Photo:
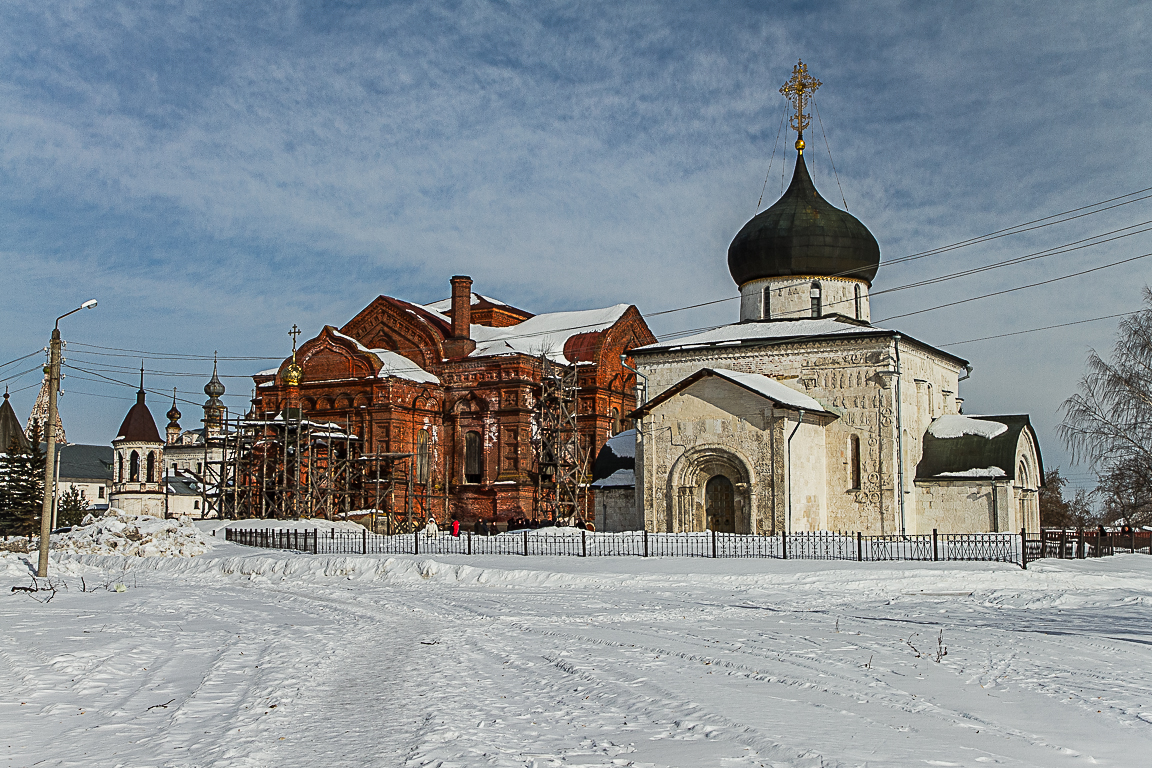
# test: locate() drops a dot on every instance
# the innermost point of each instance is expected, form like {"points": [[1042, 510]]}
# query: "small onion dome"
{"points": [[173, 415], [214, 388], [293, 375], [803, 234]]}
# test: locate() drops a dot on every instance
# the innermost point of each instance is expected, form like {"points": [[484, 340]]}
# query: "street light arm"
{"points": [[86, 305]]}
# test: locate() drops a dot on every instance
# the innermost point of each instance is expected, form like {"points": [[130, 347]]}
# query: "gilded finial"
{"points": [[799, 90], [293, 374]]}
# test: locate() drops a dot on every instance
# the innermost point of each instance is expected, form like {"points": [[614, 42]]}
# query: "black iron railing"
{"points": [[1019, 548]]}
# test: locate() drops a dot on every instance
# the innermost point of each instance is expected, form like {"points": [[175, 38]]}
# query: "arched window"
{"points": [[766, 304], [859, 308], [422, 456], [615, 414], [472, 457], [119, 467], [151, 466], [854, 461], [815, 293], [134, 467]]}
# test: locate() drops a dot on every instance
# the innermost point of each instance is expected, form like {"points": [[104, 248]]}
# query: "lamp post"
{"points": [[50, 453]]}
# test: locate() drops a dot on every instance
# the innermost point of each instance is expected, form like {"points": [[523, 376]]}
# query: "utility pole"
{"points": [[50, 455]]}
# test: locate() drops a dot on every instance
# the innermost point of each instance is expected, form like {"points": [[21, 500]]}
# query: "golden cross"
{"points": [[799, 90], [294, 333]]}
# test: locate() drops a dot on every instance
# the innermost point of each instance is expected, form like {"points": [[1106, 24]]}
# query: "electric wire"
{"points": [[1017, 288], [773, 157], [25, 357], [829, 148], [1035, 330]]}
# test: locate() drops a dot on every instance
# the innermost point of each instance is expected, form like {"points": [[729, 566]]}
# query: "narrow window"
{"points": [[472, 457], [859, 309], [615, 414], [196, 504], [199, 467], [152, 466], [134, 467], [815, 299], [119, 467], [766, 306], [854, 460], [99, 491], [422, 456]]}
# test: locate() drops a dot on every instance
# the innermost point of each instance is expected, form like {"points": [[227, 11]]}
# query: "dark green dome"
{"points": [[803, 234]]}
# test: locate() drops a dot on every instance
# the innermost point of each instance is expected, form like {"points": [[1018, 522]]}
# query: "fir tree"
{"points": [[23, 487], [71, 508]]}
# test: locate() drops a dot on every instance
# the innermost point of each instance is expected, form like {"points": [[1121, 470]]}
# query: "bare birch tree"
{"points": [[1108, 423]]}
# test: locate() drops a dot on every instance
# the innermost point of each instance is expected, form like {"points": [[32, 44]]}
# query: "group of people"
{"points": [[483, 528]]}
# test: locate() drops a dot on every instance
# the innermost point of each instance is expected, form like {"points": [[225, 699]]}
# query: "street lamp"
{"points": [[50, 454]]}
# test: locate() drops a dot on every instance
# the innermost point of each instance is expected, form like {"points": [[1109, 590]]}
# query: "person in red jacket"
{"points": [[456, 527]]}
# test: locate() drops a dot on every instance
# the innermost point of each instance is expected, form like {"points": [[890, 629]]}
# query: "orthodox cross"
{"points": [[799, 90], [294, 333]]}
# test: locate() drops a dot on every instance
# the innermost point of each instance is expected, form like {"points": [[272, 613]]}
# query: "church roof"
{"points": [[779, 332], [756, 383], [85, 462], [617, 453], [802, 234], [10, 429], [974, 447], [138, 426]]}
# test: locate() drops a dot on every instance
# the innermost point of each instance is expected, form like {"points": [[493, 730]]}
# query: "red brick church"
{"points": [[456, 385]]}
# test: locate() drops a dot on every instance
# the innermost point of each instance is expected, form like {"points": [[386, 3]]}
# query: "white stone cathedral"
{"points": [[803, 416]]}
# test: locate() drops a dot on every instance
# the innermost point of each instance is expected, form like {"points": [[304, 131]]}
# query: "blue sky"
{"points": [[215, 172]]}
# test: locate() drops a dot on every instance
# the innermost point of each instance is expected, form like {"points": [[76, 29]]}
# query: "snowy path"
{"points": [[249, 658]]}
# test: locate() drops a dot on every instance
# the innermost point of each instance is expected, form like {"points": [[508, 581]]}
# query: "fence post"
{"points": [[1024, 548], [646, 543], [784, 545], [1131, 541], [713, 542], [583, 544], [415, 541], [935, 547], [859, 547], [525, 543], [469, 542], [364, 541]]}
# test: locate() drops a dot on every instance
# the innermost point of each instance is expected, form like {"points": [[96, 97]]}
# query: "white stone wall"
{"points": [[855, 378], [139, 503], [790, 298], [616, 510]]}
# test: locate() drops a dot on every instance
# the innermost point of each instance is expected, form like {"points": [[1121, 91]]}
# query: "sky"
{"points": [[215, 172]]}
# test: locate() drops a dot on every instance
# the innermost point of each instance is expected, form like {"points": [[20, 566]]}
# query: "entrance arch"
{"points": [[720, 505], [711, 486]]}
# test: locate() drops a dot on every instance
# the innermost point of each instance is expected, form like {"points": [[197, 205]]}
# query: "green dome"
{"points": [[803, 234]]}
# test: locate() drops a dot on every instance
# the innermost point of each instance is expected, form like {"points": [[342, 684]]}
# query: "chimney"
{"points": [[461, 343]]}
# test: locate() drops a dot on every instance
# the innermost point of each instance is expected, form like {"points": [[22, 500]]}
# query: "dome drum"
{"points": [[802, 297]]}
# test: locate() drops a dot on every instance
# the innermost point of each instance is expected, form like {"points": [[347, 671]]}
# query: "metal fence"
{"points": [[1079, 544], [986, 547]]}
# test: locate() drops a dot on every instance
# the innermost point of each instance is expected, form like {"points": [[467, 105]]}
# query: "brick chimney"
{"points": [[461, 343]]}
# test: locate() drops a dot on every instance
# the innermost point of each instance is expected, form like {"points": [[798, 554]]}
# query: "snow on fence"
{"points": [[987, 547]]}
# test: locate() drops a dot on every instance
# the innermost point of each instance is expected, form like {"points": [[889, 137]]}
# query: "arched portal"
{"points": [[720, 505]]}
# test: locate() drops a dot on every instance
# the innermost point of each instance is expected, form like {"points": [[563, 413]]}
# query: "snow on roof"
{"points": [[979, 472], [772, 389], [446, 304], [623, 444], [269, 372], [394, 364], [737, 332], [621, 478], [543, 334], [958, 426]]}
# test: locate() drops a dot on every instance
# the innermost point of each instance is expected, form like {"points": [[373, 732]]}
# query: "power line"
{"points": [[1018, 288], [1035, 330], [18, 359], [168, 355]]}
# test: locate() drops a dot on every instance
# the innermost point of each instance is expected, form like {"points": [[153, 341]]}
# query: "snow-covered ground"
{"points": [[243, 657]]}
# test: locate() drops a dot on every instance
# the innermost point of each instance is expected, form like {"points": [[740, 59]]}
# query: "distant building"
{"points": [[88, 469], [137, 486]]}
